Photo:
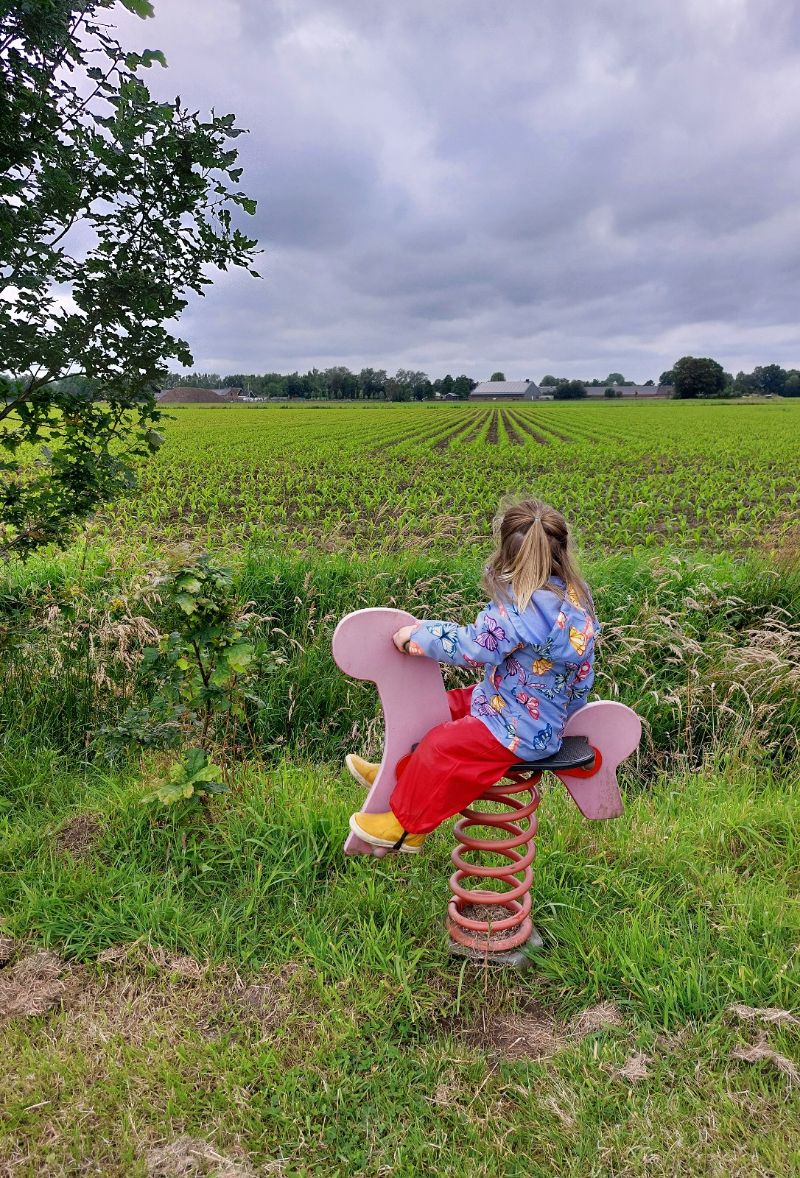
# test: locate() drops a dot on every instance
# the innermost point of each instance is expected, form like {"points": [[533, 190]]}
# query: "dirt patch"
{"points": [[36, 984], [215, 1001], [533, 1033], [781, 541], [271, 999], [635, 1068], [452, 435], [139, 955], [128, 1001], [79, 835], [525, 1034], [139, 1011], [761, 1052], [531, 432], [764, 1014], [595, 1018], [548, 425], [187, 1156], [415, 435], [491, 436], [523, 422], [444, 442], [492, 913], [127, 987], [179, 966], [471, 434], [147, 1011]]}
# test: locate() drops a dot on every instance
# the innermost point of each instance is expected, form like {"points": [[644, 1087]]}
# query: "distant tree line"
{"points": [[332, 384], [695, 376], [613, 378], [691, 377]]}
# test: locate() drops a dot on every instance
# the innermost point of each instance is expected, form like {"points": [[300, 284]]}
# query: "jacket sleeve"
{"points": [[579, 692], [488, 641]]}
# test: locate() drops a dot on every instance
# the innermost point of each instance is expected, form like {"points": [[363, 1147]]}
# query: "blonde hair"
{"points": [[533, 546]]}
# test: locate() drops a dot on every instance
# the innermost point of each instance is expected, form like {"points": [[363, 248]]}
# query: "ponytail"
{"points": [[532, 567], [533, 547]]}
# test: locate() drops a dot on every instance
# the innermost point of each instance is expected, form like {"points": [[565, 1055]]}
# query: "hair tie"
{"points": [[537, 519]]}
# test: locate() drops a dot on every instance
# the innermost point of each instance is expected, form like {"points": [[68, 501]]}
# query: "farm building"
{"points": [[506, 390], [632, 390], [192, 396]]}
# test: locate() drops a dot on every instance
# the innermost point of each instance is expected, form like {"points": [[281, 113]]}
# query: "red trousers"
{"points": [[450, 767]]}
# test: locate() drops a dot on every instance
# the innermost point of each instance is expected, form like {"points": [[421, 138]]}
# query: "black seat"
{"points": [[575, 753]]}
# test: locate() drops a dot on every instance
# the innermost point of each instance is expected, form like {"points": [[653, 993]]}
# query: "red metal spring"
{"points": [[519, 848]]}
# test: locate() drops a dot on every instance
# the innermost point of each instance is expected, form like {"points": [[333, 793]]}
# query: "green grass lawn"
{"points": [[239, 998]]}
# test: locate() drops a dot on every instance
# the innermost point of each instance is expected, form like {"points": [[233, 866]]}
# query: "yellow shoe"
{"points": [[363, 771], [383, 830]]}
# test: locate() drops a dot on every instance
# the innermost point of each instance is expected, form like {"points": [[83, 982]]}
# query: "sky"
{"points": [[538, 186]]}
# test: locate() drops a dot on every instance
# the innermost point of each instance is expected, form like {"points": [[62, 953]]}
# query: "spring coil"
{"points": [[518, 847]]}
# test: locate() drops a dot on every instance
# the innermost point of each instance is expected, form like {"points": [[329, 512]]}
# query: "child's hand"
{"points": [[402, 638]]}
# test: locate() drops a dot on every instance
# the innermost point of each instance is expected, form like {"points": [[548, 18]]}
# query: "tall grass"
{"points": [[705, 651]]}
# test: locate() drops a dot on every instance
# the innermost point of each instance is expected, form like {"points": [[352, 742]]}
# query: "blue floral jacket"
{"points": [[538, 664]]}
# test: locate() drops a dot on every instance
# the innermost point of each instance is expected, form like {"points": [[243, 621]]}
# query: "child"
{"points": [[535, 643]]}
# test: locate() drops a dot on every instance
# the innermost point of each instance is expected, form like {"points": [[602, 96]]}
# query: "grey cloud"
{"points": [[313, 196], [464, 186]]}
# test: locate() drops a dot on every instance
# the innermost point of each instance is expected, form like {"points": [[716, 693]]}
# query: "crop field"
{"points": [[715, 477]]}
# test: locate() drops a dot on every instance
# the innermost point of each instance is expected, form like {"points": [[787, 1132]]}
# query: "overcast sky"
{"points": [[565, 186]]}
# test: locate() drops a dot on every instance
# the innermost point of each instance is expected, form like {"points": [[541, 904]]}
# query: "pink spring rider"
{"points": [[492, 926]]}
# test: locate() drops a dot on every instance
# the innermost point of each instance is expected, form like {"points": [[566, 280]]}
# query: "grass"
{"points": [[703, 648], [372, 1052], [693, 887]]}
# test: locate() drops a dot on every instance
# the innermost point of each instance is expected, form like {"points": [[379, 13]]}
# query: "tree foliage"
{"points": [[613, 379], [113, 207], [768, 379], [771, 378], [497, 376], [205, 673], [792, 386], [695, 376], [332, 384], [570, 390]]}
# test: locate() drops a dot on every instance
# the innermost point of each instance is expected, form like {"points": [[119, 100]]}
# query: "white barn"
{"points": [[506, 390]]}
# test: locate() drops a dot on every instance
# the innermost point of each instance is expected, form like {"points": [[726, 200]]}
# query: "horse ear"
{"points": [[362, 642], [614, 730]]}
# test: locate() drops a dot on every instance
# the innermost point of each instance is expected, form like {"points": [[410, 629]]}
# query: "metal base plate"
{"points": [[519, 959]]}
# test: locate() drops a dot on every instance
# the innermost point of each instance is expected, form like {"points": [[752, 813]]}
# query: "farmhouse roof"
{"points": [[502, 386], [186, 394]]}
